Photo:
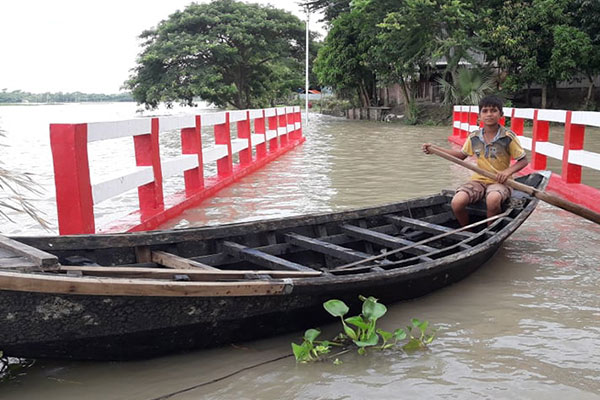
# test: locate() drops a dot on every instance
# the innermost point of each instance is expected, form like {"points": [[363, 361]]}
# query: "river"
{"points": [[526, 325]]}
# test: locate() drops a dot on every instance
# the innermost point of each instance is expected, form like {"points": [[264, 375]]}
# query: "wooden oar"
{"points": [[424, 241], [540, 194]]}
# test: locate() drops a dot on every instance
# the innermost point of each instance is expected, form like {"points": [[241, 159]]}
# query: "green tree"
{"points": [[331, 8], [226, 52], [342, 61], [586, 17], [417, 34], [520, 36]]}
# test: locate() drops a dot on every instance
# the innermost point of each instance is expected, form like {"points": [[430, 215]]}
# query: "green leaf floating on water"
{"points": [[337, 308], [357, 321], [373, 310], [370, 341], [311, 334]]}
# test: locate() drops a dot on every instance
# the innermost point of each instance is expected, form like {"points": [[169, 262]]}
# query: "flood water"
{"points": [[526, 325]]}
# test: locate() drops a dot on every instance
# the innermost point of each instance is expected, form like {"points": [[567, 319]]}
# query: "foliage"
{"points": [[529, 38], [18, 96], [373, 43], [311, 349], [418, 33], [11, 197], [361, 331], [331, 8], [227, 52], [341, 62], [470, 86]]}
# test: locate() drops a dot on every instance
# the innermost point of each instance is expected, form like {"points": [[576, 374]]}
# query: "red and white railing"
{"points": [[262, 135], [571, 152]]}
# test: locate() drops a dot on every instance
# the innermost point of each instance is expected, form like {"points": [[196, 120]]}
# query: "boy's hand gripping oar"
{"points": [[540, 194]]}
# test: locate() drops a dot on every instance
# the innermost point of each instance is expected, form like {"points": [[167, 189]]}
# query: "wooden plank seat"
{"points": [[383, 239], [327, 248], [173, 261], [278, 249], [261, 258], [428, 227]]}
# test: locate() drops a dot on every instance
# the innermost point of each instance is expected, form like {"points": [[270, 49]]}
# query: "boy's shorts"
{"points": [[477, 190]]}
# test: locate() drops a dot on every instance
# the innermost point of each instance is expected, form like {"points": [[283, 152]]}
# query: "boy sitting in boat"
{"points": [[494, 146]]}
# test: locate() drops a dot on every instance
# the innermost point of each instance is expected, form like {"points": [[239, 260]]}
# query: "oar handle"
{"points": [[540, 194], [509, 182]]}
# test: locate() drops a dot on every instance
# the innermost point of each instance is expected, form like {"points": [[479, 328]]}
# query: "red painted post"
{"points": [[147, 153], [223, 136], [273, 143], [298, 120], [74, 202], [284, 123], [502, 121], [463, 119], [243, 132], [473, 117], [540, 134], [455, 119], [294, 134], [260, 128], [191, 143], [574, 135], [516, 124]]}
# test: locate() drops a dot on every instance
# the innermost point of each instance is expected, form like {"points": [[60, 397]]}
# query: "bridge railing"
{"points": [[262, 135], [571, 152]]}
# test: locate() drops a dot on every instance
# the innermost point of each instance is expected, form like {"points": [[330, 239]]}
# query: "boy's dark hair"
{"points": [[491, 101]]}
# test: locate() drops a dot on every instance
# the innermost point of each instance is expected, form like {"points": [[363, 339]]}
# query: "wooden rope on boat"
{"points": [[436, 237]]}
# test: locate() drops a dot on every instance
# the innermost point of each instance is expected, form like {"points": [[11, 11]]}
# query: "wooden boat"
{"points": [[140, 295]]}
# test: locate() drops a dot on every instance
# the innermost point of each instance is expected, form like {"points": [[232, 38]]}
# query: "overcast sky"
{"points": [[81, 45]]}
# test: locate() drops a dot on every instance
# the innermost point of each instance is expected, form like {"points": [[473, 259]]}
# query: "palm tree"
{"points": [[471, 85]]}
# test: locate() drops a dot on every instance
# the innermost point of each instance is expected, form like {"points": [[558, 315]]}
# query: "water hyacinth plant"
{"points": [[361, 331]]}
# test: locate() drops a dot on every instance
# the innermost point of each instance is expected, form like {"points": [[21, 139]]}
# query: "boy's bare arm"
{"points": [[455, 153], [502, 176]]}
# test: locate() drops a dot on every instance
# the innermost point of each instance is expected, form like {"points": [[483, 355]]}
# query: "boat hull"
{"points": [[142, 295], [134, 327]]}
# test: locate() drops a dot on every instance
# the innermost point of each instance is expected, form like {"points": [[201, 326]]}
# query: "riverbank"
{"points": [[428, 113]]}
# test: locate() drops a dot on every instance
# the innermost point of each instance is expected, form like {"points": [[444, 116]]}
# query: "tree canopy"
{"points": [[524, 42], [225, 52]]}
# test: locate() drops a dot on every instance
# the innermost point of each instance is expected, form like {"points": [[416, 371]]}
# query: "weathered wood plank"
{"points": [[427, 227], [383, 239], [143, 254], [326, 248], [172, 261], [61, 284], [440, 218], [194, 275], [45, 261], [20, 263], [260, 258]]}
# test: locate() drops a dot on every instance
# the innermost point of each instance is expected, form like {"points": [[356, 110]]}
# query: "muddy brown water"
{"points": [[525, 325]]}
